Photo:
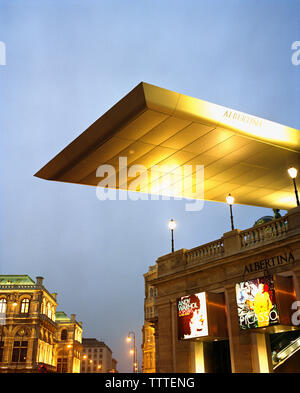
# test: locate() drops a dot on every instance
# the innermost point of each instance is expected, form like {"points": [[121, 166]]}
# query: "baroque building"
{"points": [[29, 329], [231, 305]]}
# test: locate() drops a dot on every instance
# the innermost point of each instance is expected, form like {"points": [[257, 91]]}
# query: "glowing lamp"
{"points": [[292, 172]]}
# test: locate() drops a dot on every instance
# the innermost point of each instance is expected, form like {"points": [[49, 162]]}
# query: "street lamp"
{"points": [[133, 351], [172, 226], [230, 202], [293, 174]]}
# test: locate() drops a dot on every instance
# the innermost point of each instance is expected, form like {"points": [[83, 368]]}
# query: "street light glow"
{"points": [[230, 199], [172, 224], [292, 172]]}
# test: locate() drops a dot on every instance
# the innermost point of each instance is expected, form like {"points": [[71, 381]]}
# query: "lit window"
{"points": [[49, 310], [2, 306], [24, 306]]}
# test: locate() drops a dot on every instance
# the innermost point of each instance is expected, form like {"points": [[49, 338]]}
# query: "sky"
{"points": [[67, 63]]}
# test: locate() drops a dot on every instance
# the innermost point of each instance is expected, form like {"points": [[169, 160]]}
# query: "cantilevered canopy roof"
{"points": [[166, 132]]}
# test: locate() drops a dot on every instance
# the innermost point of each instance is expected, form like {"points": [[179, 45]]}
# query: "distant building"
{"points": [[229, 305], [96, 357], [30, 327], [148, 346]]}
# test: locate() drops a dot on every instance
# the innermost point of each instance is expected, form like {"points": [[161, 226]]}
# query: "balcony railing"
{"points": [[233, 242], [210, 250], [263, 233]]}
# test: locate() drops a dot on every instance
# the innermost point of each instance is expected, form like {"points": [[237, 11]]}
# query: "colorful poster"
{"points": [[256, 303], [192, 316]]}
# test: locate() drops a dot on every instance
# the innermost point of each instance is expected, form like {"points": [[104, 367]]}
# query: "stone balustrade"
{"points": [[233, 242], [263, 233], [210, 250]]}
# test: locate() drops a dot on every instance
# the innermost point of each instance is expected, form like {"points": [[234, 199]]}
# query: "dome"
{"points": [[263, 220]]}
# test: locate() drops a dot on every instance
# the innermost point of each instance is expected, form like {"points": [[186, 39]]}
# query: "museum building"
{"points": [[230, 305]]}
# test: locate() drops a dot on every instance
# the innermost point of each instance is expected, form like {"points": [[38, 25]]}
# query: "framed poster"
{"points": [[192, 316], [256, 303]]}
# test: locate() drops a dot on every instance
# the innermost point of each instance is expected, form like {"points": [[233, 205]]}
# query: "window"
{"points": [[19, 351], [43, 307], [24, 306], [64, 334], [62, 365], [2, 306]]}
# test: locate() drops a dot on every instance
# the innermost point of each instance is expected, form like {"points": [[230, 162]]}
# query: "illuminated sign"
{"points": [[256, 303], [192, 316]]}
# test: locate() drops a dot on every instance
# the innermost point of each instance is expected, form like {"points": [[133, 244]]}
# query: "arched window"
{"points": [[49, 310], [3, 306], [25, 306], [64, 334]]}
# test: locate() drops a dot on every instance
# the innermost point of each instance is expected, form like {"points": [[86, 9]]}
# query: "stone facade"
{"points": [[29, 340], [97, 357], [148, 330], [271, 248]]}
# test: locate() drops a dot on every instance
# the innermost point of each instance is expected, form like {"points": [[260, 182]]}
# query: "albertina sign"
{"points": [[268, 263]]}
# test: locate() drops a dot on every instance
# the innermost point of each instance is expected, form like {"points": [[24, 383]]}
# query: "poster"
{"points": [[192, 316], [256, 303]]}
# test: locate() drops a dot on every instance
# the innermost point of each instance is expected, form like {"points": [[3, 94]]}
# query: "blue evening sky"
{"points": [[69, 61]]}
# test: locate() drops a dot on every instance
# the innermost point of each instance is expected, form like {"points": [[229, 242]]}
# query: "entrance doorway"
{"points": [[221, 362]]}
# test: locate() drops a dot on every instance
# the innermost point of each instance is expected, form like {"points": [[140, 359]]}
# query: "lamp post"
{"points": [[172, 226], [293, 174], [230, 201], [133, 351]]}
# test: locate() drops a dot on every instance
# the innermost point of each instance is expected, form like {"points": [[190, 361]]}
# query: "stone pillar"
{"points": [[231, 242], [173, 332], [296, 281], [293, 218], [164, 339], [198, 357], [261, 353]]}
